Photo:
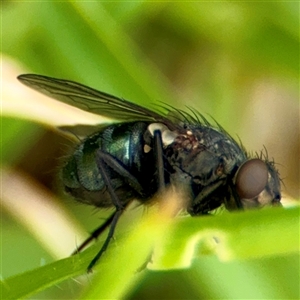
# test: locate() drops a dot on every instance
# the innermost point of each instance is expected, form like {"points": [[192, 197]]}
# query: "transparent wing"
{"points": [[91, 100], [82, 130]]}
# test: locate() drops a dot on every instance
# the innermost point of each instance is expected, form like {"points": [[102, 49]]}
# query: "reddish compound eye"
{"points": [[251, 178]]}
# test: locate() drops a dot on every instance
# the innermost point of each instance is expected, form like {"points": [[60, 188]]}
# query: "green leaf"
{"points": [[234, 237]]}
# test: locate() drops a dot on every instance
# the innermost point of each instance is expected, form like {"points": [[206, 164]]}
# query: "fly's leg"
{"points": [[158, 153], [158, 156], [236, 197], [107, 241], [95, 234], [104, 163]]}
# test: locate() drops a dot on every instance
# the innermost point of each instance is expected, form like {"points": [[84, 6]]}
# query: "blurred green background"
{"points": [[238, 62]]}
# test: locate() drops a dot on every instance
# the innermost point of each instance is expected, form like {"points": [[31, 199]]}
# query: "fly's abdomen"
{"points": [[124, 143]]}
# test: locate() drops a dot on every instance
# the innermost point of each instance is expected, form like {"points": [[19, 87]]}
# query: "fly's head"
{"points": [[257, 183]]}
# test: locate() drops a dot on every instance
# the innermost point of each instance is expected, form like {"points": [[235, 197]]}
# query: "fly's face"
{"points": [[254, 184], [257, 184]]}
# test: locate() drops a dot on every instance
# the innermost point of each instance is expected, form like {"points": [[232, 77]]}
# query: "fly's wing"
{"points": [[91, 100], [81, 130]]}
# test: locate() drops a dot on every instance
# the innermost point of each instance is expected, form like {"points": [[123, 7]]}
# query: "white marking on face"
{"points": [[264, 198]]}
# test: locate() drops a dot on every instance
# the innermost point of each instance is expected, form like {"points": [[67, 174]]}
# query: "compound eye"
{"points": [[251, 178]]}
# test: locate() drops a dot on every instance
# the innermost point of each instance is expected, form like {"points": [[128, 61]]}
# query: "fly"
{"points": [[148, 151]]}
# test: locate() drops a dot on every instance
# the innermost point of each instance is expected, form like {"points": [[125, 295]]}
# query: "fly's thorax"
{"points": [[203, 161], [205, 154]]}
